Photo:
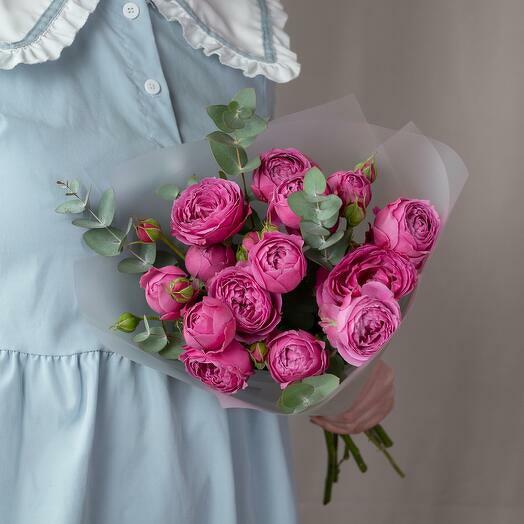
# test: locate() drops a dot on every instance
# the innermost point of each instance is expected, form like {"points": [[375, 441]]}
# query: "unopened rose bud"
{"points": [[181, 290], [354, 214], [148, 230], [127, 322], [258, 352], [241, 254], [368, 168], [268, 227]]}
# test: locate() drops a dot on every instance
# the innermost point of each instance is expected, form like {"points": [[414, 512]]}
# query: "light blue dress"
{"points": [[87, 436]]}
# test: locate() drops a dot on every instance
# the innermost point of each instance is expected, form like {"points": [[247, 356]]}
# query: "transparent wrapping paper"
{"points": [[337, 136]]}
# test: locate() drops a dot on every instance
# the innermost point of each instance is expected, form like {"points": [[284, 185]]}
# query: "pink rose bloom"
{"points": [[294, 355], [276, 166], [351, 187], [409, 227], [205, 262], [277, 262], [363, 324], [227, 371], [209, 212], [168, 290], [209, 325], [256, 310], [365, 264], [279, 211]]}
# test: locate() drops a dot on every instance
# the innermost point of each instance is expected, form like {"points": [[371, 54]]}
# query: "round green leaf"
{"points": [[168, 192], [106, 242], [106, 207], [296, 397], [314, 182], [71, 207]]}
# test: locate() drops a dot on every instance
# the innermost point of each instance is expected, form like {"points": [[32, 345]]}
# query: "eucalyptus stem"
{"points": [[178, 252], [108, 229], [380, 446], [352, 448], [331, 466]]}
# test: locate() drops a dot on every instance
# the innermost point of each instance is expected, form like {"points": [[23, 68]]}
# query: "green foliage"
{"points": [[299, 396], [143, 259], [238, 126], [168, 192], [174, 348], [319, 213], [152, 340], [107, 242]]}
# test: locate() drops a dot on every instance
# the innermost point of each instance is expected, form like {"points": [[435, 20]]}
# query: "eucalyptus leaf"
{"points": [[174, 348], [319, 258], [73, 186], [314, 241], [106, 207], [168, 192], [155, 342], [252, 127], [300, 206], [324, 385], [87, 223], [106, 242], [296, 397], [246, 98], [314, 182], [252, 164], [216, 113], [233, 119], [132, 266], [164, 258], [312, 228], [230, 157], [71, 207]]}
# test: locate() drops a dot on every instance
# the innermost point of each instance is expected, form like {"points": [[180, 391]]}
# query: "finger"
{"points": [[372, 418]]}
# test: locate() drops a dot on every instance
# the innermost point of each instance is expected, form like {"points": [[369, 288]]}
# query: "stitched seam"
{"points": [[41, 28], [70, 355], [219, 38], [267, 31]]}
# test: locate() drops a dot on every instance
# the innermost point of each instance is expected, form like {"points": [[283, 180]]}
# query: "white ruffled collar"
{"points": [[247, 35]]}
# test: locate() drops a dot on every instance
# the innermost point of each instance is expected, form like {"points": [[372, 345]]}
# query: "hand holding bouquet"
{"points": [[270, 277]]}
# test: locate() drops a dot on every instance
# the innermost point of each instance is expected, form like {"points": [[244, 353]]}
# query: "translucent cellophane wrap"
{"points": [[337, 136]]}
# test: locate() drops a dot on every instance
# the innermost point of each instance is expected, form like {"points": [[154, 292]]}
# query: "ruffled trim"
{"points": [[57, 35], [280, 63]]}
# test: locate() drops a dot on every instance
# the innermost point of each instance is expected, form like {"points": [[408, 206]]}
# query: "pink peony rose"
{"points": [[279, 211], [278, 165], [204, 262], [256, 310], [363, 324], [365, 264], [209, 212], [409, 227], [148, 231], [277, 262], [227, 371], [168, 290], [351, 187], [294, 355], [209, 325]]}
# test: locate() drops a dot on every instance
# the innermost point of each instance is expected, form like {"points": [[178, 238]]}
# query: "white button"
{"points": [[152, 86], [131, 10]]}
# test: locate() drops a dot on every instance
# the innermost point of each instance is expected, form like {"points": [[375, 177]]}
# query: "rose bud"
{"points": [[127, 322], [354, 214], [278, 263], [226, 372], [410, 227], [209, 212], [148, 230], [256, 310], [363, 324], [294, 355], [204, 262], [258, 352], [368, 168], [351, 186], [276, 166], [167, 290], [209, 325], [250, 240]]}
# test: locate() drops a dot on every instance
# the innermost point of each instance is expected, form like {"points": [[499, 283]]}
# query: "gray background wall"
{"points": [[456, 68]]}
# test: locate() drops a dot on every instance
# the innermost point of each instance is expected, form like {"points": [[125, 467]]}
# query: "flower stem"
{"points": [[352, 448], [381, 447], [384, 437], [331, 465], [178, 252]]}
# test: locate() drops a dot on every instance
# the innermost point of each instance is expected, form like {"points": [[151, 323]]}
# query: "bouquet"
{"points": [[273, 282]]}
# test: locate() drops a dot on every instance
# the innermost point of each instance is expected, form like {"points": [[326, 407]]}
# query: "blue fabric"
{"points": [[86, 436]]}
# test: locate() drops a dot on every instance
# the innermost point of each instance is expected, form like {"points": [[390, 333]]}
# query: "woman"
{"points": [[88, 436]]}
